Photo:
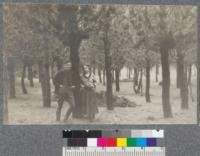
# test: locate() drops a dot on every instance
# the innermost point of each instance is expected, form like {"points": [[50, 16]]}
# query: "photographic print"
{"points": [[99, 64]]}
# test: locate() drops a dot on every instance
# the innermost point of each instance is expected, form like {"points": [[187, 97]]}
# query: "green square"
{"points": [[131, 142]]}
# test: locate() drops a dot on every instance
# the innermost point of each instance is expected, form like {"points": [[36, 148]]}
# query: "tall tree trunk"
{"points": [[117, 73], [4, 83], [165, 82], [99, 74], [135, 79], [129, 73], [30, 75], [157, 72], [104, 77], [183, 82], [109, 94], [11, 77], [94, 70], [190, 82], [178, 77], [40, 71], [74, 57], [52, 70], [45, 83], [147, 93], [189, 73], [24, 90], [113, 76], [138, 88], [41, 79], [140, 84]]}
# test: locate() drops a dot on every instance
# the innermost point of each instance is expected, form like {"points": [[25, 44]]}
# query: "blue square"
{"points": [[141, 142]]}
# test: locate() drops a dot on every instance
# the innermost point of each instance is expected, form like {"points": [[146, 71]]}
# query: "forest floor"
{"points": [[27, 109]]}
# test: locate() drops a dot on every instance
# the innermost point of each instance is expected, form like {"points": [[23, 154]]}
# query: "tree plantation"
{"points": [[122, 64]]}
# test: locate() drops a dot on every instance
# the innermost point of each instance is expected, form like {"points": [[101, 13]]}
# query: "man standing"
{"points": [[65, 91]]}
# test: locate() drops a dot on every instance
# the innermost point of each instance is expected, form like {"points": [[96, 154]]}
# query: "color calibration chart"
{"points": [[113, 143]]}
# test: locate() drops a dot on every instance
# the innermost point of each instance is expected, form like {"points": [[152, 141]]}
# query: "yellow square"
{"points": [[121, 142]]}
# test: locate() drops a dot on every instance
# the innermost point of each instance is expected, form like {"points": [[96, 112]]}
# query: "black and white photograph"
{"points": [[99, 64]]}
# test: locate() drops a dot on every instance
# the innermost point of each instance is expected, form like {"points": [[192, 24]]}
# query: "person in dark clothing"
{"points": [[64, 90], [88, 93]]}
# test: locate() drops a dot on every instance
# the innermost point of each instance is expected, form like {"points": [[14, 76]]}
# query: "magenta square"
{"points": [[101, 142]]}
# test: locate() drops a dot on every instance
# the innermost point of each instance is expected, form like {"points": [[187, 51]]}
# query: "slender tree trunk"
{"points": [[135, 79], [183, 82], [42, 79], [157, 72], [140, 85], [129, 73], [189, 73], [165, 83], [109, 94], [52, 70], [74, 57], [24, 90], [30, 75], [117, 73], [45, 83], [94, 70], [113, 76], [11, 77], [4, 83], [147, 93], [99, 74], [190, 82], [104, 77], [178, 64], [39, 71]]}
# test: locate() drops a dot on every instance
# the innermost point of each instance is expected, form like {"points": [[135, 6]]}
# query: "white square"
{"points": [[158, 133], [92, 142]]}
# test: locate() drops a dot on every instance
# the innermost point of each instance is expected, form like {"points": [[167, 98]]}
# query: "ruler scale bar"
{"points": [[115, 152]]}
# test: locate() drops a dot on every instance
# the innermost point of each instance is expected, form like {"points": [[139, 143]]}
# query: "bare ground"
{"points": [[27, 109]]}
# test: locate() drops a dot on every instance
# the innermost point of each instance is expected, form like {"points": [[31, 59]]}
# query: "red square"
{"points": [[111, 142]]}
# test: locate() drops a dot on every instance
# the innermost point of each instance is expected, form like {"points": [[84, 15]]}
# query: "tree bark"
{"points": [[41, 78], [165, 82], [74, 57], [183, 82], [99, 74], [11, 77], [4, 83], [135, 79], [147, 93], [117, 73], [30, 75], [140, 84], [129, 73], [24, 90], [109, 94], [45, 83], [189, 74], [190, 82], [157, 72], [113, 76], [94, 70], [178, 73], [104, 77]]}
